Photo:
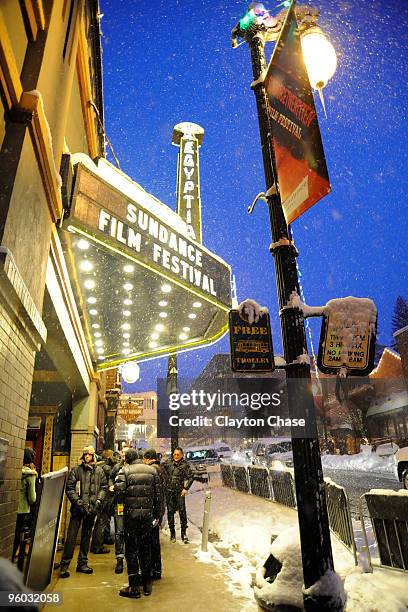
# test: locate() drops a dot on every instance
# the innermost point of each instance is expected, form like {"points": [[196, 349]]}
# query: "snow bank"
{"points": [[286, 589], [364, 461], [329, 585]]}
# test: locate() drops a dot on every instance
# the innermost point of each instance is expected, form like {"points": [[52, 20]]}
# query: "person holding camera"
{"points": [[86, 490]]}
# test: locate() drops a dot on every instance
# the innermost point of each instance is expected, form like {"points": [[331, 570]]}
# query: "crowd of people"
{"points": [[134, 487]]}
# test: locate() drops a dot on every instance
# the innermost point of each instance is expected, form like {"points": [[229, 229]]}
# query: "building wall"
{"points": [[36, 81]]}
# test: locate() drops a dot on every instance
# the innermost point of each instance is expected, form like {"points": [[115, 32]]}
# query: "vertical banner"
{"points": [[300, 163], [189, 136]]}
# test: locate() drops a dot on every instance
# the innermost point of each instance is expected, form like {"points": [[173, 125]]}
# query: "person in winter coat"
{"points": [[103, 518], [178, 477], [86, 489], [26, 499], [142, 495], [150, 458]]}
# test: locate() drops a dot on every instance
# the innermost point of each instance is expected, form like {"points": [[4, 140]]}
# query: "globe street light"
{"points": [[256, 28]]}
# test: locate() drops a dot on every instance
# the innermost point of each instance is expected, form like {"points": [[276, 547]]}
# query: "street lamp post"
{"points": [[315, 541]]}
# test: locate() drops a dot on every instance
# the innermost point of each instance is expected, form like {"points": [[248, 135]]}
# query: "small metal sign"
{"points": [[354, 351], [251, 344]]}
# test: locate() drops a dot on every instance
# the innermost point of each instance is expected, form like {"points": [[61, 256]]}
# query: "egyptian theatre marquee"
{"points": [[144, 284]]}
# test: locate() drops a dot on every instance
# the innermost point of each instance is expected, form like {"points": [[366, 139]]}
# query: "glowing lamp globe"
{"points": [[319, 56], [130, 372]]}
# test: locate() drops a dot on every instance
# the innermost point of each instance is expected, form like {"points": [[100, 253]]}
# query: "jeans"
{"points": [[176, 503], [119, 535], [75, 521], [98, 537]]}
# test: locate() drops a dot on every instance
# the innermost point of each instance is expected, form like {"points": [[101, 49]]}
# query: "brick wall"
{"points": [[16, 373]]}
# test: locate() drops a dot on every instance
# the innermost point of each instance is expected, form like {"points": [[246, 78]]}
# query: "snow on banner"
{"points": [[299, 157]]}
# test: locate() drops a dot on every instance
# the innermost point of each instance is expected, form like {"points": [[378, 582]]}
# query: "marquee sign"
{"points": [[131, 229], [144, 286]]}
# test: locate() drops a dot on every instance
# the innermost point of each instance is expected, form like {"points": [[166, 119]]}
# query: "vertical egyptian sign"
{"points": [[299, 157], [189, 136]]}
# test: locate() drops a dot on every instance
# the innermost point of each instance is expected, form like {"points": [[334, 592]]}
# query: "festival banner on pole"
{"points": [[299, 157]]}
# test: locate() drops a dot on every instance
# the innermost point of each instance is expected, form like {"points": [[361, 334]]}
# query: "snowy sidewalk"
{"points": [[241, 527], [187, 586]]}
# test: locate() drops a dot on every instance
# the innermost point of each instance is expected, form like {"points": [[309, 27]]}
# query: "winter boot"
{"points": [[132, 590], [128, 591], [147, 588], [119, 566], [172, 535], [184, 536], [84, 569]]}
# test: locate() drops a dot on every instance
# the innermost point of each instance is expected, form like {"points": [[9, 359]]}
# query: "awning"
{"points": [[142, 286]]}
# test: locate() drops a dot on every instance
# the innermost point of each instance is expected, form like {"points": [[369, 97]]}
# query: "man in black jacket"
{"points": [[86, 487], [179, 477], [142, 495], [150, 458]]}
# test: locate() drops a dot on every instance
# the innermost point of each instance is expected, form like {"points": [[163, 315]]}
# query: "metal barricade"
{"points": [[241, 478], [283, 487], [227, 475], [338, 509], [259, 481], [389, 517]]}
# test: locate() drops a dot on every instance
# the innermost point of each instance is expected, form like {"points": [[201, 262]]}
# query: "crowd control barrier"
{"points": [[241, 479], [338, 509], [388, 513], [283, 488], [279, 486], [259, 481]]}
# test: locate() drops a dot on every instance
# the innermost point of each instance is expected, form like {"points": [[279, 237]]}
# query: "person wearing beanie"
{"points": [[86, 489], [26, 499]]}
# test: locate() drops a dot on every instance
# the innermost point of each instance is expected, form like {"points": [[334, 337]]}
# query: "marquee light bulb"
{"points": [[83, 244], [86, 265], [166, 288]]}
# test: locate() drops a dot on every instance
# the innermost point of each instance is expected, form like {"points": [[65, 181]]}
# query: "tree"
{"points": [[400, 316]]}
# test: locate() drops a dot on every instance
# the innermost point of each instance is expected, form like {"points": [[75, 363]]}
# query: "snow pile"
{"points": [[381, 591], [329, 585], [286, 589], [400, 493], [365, 461]]}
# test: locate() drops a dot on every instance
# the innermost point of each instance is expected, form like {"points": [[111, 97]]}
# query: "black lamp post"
{"points": [[312, 512]]}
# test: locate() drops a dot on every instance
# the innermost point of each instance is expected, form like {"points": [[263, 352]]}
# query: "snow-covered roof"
{"points": [[395, 402]]}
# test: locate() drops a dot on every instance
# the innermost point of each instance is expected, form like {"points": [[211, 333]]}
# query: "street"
{"points": [[358, 482]]}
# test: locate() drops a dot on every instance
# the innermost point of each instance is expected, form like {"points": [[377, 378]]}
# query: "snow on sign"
{"points": [[347, 338], [251, 344]]}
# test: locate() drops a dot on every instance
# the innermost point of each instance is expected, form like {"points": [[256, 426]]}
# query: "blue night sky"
{"points": [[171, 60]]}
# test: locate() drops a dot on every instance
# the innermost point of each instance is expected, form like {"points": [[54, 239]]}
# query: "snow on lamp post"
{"points": [[256, 28]]}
